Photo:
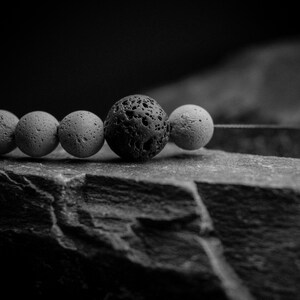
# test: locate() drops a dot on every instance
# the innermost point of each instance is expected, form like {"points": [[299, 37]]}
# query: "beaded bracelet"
{"points": [[136, 129]]}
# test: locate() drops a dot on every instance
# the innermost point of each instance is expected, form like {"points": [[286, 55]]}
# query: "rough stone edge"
{"points": [[199, 184], [231, 283]]}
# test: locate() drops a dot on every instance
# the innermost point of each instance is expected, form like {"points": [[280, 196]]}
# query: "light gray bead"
{"points": [[81, 133], [191, 127], [36, 134]]}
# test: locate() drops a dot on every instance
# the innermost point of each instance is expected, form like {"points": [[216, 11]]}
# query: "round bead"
{"points": [[36, 134], [8, 123], [81, 133], [136, 128], [191, 127]]}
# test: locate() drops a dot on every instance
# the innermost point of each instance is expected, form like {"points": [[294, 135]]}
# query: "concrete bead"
{"points": [[191, 127], [36, 134], [81, 133], [136, 128], [8, 123]]}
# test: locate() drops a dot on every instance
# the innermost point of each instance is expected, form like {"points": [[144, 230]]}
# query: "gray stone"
{"points": [[201, 224], [260, 85], [268, 141]]}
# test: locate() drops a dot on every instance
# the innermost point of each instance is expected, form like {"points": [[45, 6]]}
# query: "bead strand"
{"points": [[136, 128]]}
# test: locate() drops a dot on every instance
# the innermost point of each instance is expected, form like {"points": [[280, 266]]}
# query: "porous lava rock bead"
{"points": [[136, 128], [192, 127], [8, 123], [36, 133], [81, 133]]}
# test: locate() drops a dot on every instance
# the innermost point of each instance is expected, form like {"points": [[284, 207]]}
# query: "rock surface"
{"points": [[202, 224], [268, 141], [260, 85]]}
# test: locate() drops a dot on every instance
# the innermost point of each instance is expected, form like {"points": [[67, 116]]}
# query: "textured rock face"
{"points": [[259, 85], [203, 224], [249, 224]]}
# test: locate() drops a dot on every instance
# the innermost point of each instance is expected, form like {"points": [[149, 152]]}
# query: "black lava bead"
{"points": [[136, 128]]}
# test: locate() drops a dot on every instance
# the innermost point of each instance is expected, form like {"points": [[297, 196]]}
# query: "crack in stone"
{"points": [[212, 246], [13, 182], [55, 228], [232, 284], [206, 225], [37, 189]]}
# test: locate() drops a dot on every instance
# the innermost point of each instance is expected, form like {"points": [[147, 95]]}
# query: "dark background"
{"points": [[64, 58]]}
